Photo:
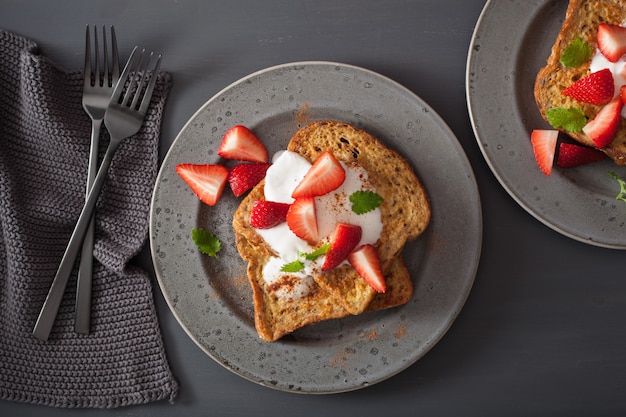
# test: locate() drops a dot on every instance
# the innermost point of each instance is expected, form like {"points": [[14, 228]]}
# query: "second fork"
{"points": [[99, 81]]}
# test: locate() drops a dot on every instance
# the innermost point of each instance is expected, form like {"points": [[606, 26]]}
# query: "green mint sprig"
{"points": [[206, 241], [572, 119], [365, 201], [576, 53], [299, 265], [622, 185]]}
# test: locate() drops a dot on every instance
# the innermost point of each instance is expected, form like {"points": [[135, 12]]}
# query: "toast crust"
{"points": [[581, 20], [405, 213]]}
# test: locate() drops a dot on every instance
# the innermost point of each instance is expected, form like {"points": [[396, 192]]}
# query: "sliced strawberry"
{"points": [[571, 155], [325, 175], [239, 143], [611, 41], [267, 214], [302, 220], [343, 241], [243, 177], [622, 92], [602, 129], [207, 181], [596, 88], [366, 261], [544, 148]]}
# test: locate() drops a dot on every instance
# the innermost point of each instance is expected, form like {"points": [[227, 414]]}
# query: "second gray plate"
{"points": [[510, 44]]}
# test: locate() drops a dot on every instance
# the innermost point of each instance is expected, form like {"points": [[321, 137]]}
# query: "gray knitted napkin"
{"points": [[44, 146]]}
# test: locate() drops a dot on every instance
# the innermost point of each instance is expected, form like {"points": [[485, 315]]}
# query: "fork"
{"points": [[97, 90], [124, 117]]}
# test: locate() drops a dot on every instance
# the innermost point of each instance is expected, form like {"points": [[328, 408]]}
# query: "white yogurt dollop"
{"points": [[618, 69], [282, 177], [335, 207], [287, 170]]}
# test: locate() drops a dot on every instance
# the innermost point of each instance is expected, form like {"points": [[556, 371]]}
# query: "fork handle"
{"points": [[51, 305], [85, 271]]}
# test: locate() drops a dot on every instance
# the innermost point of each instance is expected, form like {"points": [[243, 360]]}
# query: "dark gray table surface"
{"points": [[543, 330]]}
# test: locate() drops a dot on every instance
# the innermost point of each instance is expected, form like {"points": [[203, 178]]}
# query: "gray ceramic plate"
{"points": [[211, 298], [510, 44]]}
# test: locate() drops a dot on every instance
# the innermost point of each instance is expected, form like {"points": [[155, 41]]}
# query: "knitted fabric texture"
{"points": [[44, 147]]}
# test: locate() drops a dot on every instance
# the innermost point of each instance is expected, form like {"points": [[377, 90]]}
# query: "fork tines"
{"points": [[93, 74], [133, 81]]}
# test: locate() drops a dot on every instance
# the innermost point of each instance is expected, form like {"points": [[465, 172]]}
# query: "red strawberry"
{"points": [[267, 214], [243, 177], [596, 88], [302, 220], [544, 148], [366, 261], [602, 129], [325, 175], [241, 144], [622, 93], [571, 155], [344, 240], [206, 181], [611, 41]]}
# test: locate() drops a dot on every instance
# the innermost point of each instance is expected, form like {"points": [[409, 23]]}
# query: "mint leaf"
{"points": [[576, 53], [294, 266], [206, 241], [572, 119], [365, 201], [298, 264], [622, 185], [317, 252]]}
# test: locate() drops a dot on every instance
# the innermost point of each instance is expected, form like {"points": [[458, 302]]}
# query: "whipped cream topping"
{"points": [[287, 170]]}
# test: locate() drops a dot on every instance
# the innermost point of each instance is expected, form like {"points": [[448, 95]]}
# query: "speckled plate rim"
{"points": [[511, 42], [339, 355]]}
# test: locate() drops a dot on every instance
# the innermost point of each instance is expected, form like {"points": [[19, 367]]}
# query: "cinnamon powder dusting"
{"points": [[236, 286], [401, 332], [302, 115], [340, 359]]}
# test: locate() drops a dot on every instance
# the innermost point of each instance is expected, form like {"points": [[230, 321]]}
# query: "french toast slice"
{"points": [[581, 20], [405, 214]]}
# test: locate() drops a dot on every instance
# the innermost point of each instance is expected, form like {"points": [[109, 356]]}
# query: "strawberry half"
{"points": [[344, 240], [603, 128], [267, 214], [302, 220], [596, 88], [571, 155], [239, 143], [611, 41], [622, 93], [243, 177], [544, 148], [207, 181], [366, 261], [325, 175]]}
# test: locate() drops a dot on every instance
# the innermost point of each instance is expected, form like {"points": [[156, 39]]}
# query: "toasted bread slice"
{"points": [[405, 213], [581, 20]]}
